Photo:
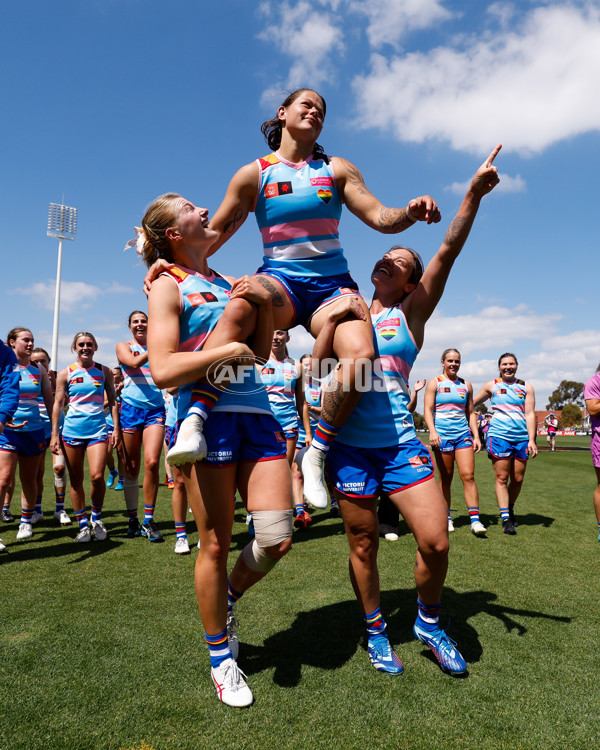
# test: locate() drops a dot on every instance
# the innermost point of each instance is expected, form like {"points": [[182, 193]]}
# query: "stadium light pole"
{"points": [[62, 223]]}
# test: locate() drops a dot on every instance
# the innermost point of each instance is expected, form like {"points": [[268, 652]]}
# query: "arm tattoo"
{"points": [[355, 178], [393, 220], [276, 297], [456, 228], [231, 226]]}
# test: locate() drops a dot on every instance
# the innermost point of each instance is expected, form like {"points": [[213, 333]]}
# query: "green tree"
{"points": [[571, 415], [481, 409], [419, 421], [568, 392]]}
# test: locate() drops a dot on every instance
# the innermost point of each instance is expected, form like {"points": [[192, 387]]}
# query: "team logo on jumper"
{"points": [[267, 371], [200, 298], [445, 390], [97, 382], [520, 392], [280, 437], [388, 334], [325, 195], [318, 181], [417, 461], [500, 391], [462, 392], [390, 322], [275, 189], [75, 380]]}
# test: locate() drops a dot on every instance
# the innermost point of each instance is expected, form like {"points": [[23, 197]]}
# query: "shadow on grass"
{"points": [[328, 637], [25, 551], [488, 520]]}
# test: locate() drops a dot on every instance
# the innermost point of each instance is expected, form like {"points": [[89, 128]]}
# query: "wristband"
{"points": [[409, 216]]}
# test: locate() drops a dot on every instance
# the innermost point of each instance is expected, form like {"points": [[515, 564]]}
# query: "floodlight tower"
{"points": [[62, 223]]}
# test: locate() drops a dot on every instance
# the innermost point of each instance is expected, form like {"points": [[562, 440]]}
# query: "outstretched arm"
{"points": [[484, 394], [363, 204], [412, 404], [422, 302], [239, 200]]}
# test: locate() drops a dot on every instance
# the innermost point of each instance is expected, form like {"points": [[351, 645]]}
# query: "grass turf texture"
{"points": [[102, 646]]}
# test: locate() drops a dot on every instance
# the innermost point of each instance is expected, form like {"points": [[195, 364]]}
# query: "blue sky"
{"points": [[112, 102]]}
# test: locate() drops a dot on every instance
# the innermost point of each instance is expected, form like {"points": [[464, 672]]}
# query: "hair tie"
{"points": [[138, 242]]}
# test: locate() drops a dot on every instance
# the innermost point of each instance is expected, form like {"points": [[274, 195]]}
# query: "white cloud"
{"points": [[73, 294], [116, 288], [301, 342], [311, 37], [391, 20], [507, 184], [527, 88]]}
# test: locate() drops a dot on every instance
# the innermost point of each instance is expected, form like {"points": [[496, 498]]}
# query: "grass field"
{"points": [[102, 646]]}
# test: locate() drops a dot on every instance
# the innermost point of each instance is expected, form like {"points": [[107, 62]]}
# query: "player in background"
{"points": [[9, 393], [591, 394], [454, 435], [41, 356], [23, 440], [84, 433], [551, 423], [511, 435], [142, 423], [115, 473]]}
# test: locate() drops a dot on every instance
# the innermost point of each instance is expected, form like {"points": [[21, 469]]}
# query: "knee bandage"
{"points": [[271, 527]]}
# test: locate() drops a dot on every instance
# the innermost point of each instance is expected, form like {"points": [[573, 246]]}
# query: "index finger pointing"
{"points": [[493, 155]]}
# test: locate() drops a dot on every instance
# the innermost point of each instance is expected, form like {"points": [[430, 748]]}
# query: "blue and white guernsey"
{"points": [[312, 396], [85, 416], [508, 410], [449, 415], [202, 301], [298, 211], [381, 417], [138, 387], [280, 380], [30, 391]]}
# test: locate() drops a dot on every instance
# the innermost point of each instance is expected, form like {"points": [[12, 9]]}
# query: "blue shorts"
{"points": [[29, 443], [73, 442], [291, 434], [239, 436], [171, 435], [134, 419], [449, 445], [500, 448], [365, 472], [310, 293]]}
